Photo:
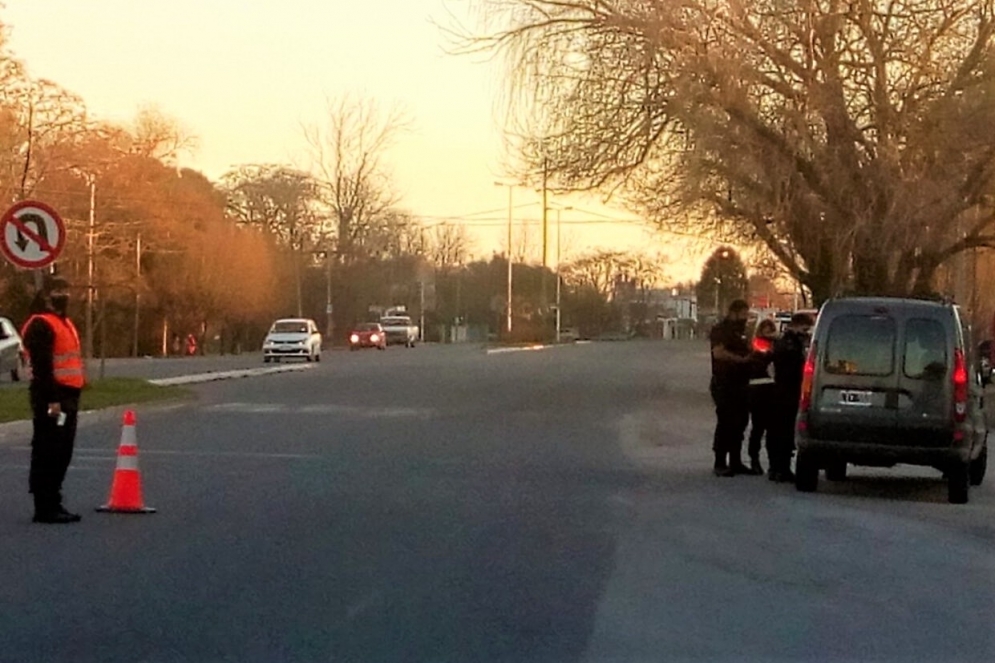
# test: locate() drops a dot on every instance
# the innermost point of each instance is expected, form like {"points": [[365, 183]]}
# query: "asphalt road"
{"points": [[441, 504]]}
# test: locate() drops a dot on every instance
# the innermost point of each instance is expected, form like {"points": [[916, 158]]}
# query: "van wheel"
{"points": [[958, 483], [836, 471], [317, 357], [266, 360], [978, 467], [806, 473]]}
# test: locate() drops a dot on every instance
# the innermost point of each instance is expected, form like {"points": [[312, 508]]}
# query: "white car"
{"points": [[11, 350], [292, 337]]}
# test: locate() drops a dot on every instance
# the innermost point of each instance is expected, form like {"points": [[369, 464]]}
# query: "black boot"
{"points": [[755, 467], [721, 468], [738, 467]]}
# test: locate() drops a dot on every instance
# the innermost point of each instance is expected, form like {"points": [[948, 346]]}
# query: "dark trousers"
{"points": [[762, 409], [51, 453], [732, 414], [781, 436]]}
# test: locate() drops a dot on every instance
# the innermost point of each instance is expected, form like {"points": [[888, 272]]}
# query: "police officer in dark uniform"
{"points": [[789, 362], [730, 389], [762, 391]]}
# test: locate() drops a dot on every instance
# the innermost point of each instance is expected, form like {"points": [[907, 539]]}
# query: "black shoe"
{"points": [[75, 516], [56, 518], [774, 476], [787, 476], [721, 471]]}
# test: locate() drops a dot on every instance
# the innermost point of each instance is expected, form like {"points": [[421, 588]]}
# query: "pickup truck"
{"points": [[398, 329]]}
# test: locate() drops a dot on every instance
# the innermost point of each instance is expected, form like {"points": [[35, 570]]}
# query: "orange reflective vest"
{"points": [[67, 358]]}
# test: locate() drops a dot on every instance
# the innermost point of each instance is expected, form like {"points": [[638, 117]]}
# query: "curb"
{"points": [[196, 378]]}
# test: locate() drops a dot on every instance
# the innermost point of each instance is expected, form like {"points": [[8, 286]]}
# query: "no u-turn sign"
{"points": [[32, 234]]}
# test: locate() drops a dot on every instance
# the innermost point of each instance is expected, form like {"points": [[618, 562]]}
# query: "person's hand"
{"points": [[54, 410]]}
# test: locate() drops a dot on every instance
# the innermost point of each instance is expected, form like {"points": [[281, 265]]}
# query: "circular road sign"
{"points": [[32, 234]]}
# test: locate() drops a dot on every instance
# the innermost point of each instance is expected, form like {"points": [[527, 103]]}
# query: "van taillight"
{"points": [[808, 376], [960, 385]]}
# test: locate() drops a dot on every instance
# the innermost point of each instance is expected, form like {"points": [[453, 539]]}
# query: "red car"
{"points": [[368, 335]]}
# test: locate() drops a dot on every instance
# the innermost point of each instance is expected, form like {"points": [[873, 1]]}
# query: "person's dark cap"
{"points": [[738, 306], [802, 320]]}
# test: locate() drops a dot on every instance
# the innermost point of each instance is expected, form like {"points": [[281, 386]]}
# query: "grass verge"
{"points": [[98, 395]]}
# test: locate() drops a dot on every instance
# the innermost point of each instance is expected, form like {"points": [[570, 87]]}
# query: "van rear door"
{"points": [[925, 396], [855, 390]]}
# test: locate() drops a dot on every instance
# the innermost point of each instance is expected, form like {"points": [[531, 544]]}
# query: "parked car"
{"points": [[985, 362], [368, 335], [292, 337], [12, 358], [891, 381], [399, 329]]}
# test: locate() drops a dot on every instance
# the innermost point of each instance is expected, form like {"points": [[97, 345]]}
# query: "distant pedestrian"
{"points": [[789, 362], [763, 392], [57, 379], [730, 389]]}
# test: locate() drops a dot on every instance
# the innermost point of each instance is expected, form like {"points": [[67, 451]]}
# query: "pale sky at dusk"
{"points": [[244, 75]]}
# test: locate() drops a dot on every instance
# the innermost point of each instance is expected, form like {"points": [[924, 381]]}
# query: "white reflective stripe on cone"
{"points": [[127, 462], [128, 437], [756, 381]]}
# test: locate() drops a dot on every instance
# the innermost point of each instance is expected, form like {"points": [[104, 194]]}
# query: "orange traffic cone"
{"points": [[126, 489]]}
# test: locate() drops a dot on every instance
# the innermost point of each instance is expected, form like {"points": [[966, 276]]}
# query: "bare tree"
{"points": [[449, 246], [348, 154], [284, 203], [851, 139]]}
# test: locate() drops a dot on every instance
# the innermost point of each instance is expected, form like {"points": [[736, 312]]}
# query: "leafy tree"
{"points": [[723, 279]]}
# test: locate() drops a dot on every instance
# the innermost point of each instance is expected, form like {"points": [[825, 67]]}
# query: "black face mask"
{"points": [[60, 304]]}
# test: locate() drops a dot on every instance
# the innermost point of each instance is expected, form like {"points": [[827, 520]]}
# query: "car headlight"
{"points": [[354, 338], [375, 337]]}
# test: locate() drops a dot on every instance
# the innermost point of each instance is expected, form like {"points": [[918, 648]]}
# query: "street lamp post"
{"points": [[508, 320], [91, 225], [559, 276]]}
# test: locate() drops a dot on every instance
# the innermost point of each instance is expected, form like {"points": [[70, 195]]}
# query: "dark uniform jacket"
{"points": [[789, 361], [727, 374]]}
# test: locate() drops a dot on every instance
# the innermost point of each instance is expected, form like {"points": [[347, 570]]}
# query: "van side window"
{"points": [[925, 349], [861, 345]]}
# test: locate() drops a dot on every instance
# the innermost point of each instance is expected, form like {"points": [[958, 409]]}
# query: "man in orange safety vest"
{"points": [[57, 378]]}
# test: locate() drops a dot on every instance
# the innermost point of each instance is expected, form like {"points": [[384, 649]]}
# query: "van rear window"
{"points": [[925, 349], [861, 345]]}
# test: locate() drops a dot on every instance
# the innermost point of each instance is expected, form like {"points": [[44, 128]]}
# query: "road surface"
{"points": [[442, 504]]}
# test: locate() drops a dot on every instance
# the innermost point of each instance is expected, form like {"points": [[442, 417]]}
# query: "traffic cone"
{"points": [[126, 489]]}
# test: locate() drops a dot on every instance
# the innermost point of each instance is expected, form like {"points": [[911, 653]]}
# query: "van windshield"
{"points": [[925, 349], [861, 345]]}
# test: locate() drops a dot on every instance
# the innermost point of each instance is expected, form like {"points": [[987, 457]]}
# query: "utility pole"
{"points": [[545, 236], [559, 275], [421, 311], [508, 308], [329, 323], [88, 349], [138, 294]]}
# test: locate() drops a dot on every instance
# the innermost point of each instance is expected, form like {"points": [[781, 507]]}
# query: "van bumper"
{"points": [[884, 455]]}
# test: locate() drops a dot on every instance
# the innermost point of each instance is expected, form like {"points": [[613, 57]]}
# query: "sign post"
{"points": [[32, 235]]}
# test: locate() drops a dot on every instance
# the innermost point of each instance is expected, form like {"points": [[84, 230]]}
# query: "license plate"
{"points": [[856, 398]]}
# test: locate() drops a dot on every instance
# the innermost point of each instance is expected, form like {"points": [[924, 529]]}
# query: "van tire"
{"points": [[836, 471], [978, 467], [806, 473], [958, 483]]}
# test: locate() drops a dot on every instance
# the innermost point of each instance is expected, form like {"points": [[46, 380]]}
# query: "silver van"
{"points": [[891, 381]]}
